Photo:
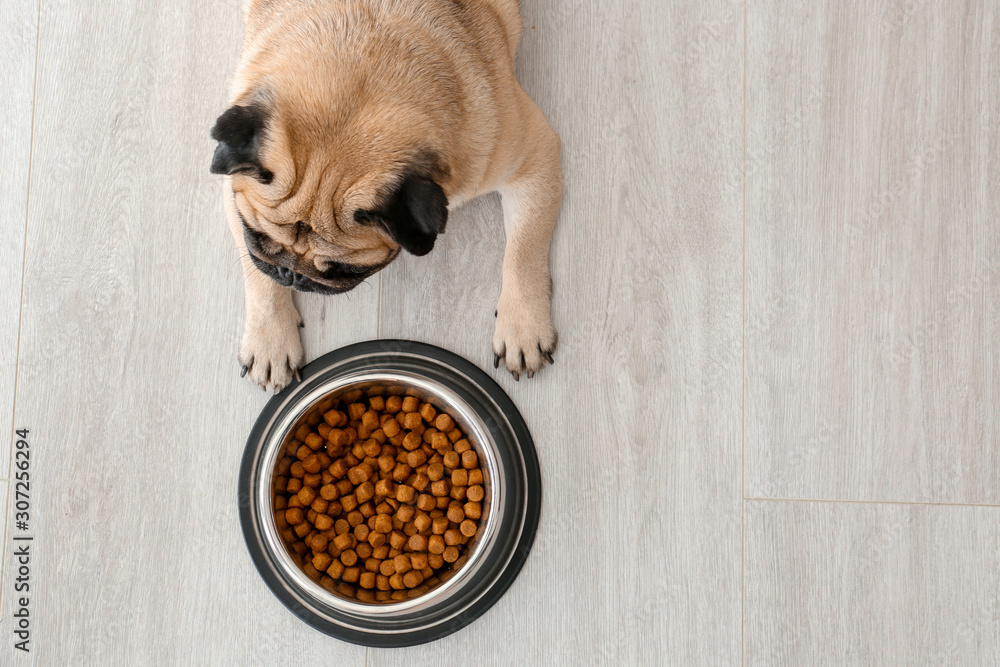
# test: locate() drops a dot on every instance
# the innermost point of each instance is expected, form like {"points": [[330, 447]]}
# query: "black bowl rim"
{"points": [[533, 499]]}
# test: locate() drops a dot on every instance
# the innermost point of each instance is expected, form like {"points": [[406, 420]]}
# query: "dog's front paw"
{"points": [[271, 352], [524, 338]]}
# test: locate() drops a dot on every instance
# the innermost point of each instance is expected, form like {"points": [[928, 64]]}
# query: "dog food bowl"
{"points": [[511, 506]]}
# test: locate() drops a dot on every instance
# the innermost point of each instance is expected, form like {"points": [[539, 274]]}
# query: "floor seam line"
{"points": [[743, 341], [871, 502]]}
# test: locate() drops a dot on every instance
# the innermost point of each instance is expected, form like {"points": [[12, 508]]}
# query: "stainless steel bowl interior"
{"points": [[349, 388]]}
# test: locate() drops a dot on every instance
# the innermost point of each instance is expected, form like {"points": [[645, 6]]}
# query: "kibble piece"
{"points": [[306, 495], [367, 580], [411, 441], [365, 492], [358, 474], [412, 421], [412, 579], [349, 557], [397, 540], [476, 493], [462, 446], [460, 477], [452, 537], [470, 459], [386, 463], [439, 525], [385, 488], [391, 428], [427, 412], [468, 527], [311, 464], [410, 404], [401, 472], [336, 569], [422, 522], [416, 458], [355, 411], [439, 441], [456, 514], [319, 543], [435, 472], [338, 469], [349, 503], [443, 423], [435, 561], [294, 516], [402, 563], [435, 544], [450, 554], [329, 492], [405, 494], [473, 510], [383, 524], [323, 522], [351, 574], [405, 513], [372, 447], [313, 441], [320, 505], [441, 487], [322, 561], [417, 543], [451, 460], [369, 420]]}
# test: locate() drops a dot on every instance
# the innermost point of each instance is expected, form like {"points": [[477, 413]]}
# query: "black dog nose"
{"points": [[285, 276]]}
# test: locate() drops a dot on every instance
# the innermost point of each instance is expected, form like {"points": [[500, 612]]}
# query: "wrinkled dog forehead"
{"points": [[412, 207]]}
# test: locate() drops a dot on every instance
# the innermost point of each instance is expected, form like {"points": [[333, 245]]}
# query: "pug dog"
{"points": [[354, 126]]}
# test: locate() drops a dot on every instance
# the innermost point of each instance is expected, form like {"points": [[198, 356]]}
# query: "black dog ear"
{"points": [[414, 214], [238, 132]]}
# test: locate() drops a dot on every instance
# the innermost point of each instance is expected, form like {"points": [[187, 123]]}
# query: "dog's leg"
{"points": [[271, 351], [524, 338]]}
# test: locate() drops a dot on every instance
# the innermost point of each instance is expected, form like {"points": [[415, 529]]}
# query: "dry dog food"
{"points": [[377, 498]]}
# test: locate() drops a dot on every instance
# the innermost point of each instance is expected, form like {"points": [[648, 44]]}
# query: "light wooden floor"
{"points": [[771, 433]]}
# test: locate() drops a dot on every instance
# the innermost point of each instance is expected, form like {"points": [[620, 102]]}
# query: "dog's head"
{"points": [[332, 178]]}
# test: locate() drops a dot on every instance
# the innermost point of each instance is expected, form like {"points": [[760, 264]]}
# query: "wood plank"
{"points": [[132, 314], [872, 584], [637, 424], [18, 33], [873, 274]]}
